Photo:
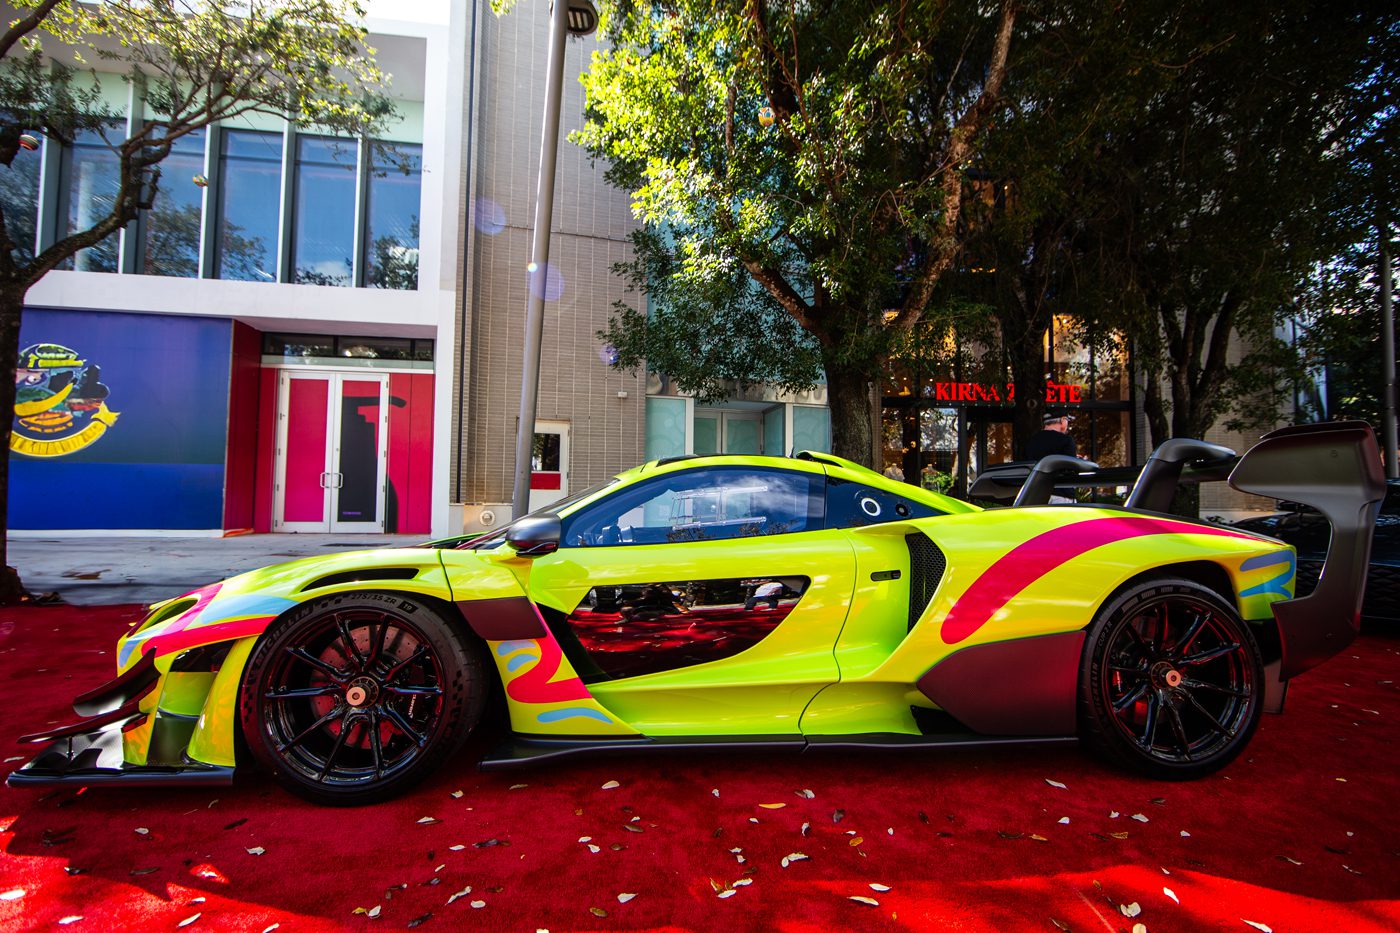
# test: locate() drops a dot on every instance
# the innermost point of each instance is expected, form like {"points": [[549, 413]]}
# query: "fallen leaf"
{"points": [[1113, 814], [1185, 834], [715, 791], [375, 911], [1291, 861], [742, 883], [1261, 927], [1353, 870], [359, 910], [594, 849], [1060, 926], [478, 904], [72, 918], [879, 887], [1130, 910], [12, 895], [609, 786], [890, 831], [838, 815], [1171, 894], [857, 840], [624, 898], [419, 921], [236, 823], [632, 827], [1140, 817], [805, 828], [460, 894], [457, 793], [864, 900], [585, 838], [1039, 838], [597, 911], [429, 819], [727, 892], [793, 857], [772, 806], [142, 831], [805, 792], [144, 871], [1119, 835], [486, 844], [1064, 820], [1159, 801], [1139, 928], [456, 848], [256, 850], [1055, 784], [1005, 835], [188, 920]]}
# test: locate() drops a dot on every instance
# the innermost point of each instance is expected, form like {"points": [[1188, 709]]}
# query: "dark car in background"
{"points": [[1307, 531]]}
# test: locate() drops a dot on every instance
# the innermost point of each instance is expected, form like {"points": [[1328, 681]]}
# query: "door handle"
{"points": [[339, 479], [323, 480]]}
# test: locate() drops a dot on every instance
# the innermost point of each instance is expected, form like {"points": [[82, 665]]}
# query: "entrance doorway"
{"points": [[987, 440], [549, 463], [332, 434], [728, 432]]}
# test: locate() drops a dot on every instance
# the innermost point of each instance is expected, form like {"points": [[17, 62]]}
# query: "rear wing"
{"points": [[1333, 467]]}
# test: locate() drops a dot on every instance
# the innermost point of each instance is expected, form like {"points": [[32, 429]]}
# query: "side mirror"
{"points": [[534, 537]]}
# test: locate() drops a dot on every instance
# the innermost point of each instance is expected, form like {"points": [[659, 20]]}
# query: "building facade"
{"points": [[270, 348]]}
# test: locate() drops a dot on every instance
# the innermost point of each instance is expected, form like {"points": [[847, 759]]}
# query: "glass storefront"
{"points": [[948, 403]]}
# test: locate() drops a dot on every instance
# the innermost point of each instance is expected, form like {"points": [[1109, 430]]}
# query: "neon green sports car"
{"points": [[753, 601]]}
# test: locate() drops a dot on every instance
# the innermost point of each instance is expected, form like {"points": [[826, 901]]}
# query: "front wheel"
{"points": [[1171, 682], [353, 698]]}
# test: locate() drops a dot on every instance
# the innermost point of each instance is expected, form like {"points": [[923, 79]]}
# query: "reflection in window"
{"points": [[250, 169], [700, 505], [88, 184], [391, 229], [19, 199], [170, 229], [323, 243]]}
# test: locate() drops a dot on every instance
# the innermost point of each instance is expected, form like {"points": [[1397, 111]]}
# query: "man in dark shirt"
{"points": [[1054, 438]]}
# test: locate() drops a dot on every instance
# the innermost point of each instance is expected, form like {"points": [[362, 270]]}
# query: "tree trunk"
{"points": [[848, 395], [11, 309], [1027, 358]]}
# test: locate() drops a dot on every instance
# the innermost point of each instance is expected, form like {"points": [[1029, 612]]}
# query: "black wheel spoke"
{"points": [[1187, 637], [1195, 684], [1209, 716], [1210, 655], [1129, 698], [301, 654], [374, 744], [309, 730], [345, 727], [1124, 669], [424, 691], [348, 640], [376, 643], [395, 717], [394, 671], [1179, 730], [298, 693], [1149, 727]]}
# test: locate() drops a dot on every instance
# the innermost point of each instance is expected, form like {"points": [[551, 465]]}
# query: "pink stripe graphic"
{"points": [[1033, 559], [534, 685]]}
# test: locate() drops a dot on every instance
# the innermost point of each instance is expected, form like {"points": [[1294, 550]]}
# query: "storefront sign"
{"points": [[1056, 393]]}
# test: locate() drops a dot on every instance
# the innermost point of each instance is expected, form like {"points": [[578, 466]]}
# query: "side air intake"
{"points": [[926, 566]]}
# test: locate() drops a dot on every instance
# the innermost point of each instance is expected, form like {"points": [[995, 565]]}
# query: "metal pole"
{"points": [[539, 260], [1392, 467]]}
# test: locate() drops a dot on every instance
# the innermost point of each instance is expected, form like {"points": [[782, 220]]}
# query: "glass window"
{"points": [[19, 197], [391, 222], [323, 242], [170, 229], [811, 428], [773, 430], [88, 184], [250, 197], [1111, 383], [851, 505], [700, 505], [665, 428]]}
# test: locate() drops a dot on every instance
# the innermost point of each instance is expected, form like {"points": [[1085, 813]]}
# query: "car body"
{"points": [[736, 601], [1309, 532]]}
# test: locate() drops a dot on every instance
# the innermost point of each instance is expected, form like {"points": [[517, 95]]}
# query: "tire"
{"points": [[1171, 683], [353, 698]]}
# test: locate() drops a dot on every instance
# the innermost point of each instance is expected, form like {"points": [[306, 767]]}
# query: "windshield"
{"points": [[497, 537]]}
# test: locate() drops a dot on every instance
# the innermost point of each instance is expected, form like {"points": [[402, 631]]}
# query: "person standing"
{"points": [[1052, 439]]}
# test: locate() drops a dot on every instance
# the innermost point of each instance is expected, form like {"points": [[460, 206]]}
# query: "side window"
{"points": [[850, 505], [700, 505]]}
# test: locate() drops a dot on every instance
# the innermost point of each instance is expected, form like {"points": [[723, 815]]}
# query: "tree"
{"points": [[1228, 190], [792, 159], [194, 63]]}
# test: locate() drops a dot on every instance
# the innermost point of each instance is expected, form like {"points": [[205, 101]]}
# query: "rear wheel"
{"points": [[1171, 681], [355, 697]]}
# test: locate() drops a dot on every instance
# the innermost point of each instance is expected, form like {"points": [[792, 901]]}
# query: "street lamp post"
{"points": [[567, 17]]}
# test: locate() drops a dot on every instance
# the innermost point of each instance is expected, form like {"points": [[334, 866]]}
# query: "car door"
{"points": [[701, 601]]}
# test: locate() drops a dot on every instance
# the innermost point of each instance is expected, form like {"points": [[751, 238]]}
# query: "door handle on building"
{"points": [[332, 480]]}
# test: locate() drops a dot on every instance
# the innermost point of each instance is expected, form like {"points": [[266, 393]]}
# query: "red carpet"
{"points": [[1304, 835]]}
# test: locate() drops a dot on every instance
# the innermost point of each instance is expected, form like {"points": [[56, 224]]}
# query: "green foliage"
{"points": [[812, 153]]}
